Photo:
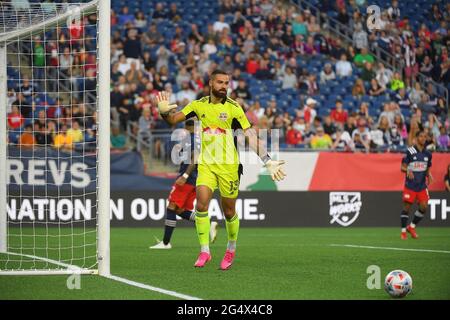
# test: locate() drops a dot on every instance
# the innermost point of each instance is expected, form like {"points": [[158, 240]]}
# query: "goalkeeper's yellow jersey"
{"points": [[218, 122]]}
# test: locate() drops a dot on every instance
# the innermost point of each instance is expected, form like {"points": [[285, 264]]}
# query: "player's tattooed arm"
{"points": [[274, 167], [255, 143]]}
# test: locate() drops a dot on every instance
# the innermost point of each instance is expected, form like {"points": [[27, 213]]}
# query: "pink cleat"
{"points": [[202, 259], [227, 260]]}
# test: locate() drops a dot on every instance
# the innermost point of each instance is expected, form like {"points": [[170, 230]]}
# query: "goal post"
{"points": [[50, 224]]}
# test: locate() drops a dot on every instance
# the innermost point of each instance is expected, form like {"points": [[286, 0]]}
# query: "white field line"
{"points": [[74, 269], [388, 248], [151, 288], [69, 269]]}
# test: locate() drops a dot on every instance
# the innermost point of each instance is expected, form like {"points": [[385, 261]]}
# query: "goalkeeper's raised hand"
{"points": [[162, 98], [275, 169]]}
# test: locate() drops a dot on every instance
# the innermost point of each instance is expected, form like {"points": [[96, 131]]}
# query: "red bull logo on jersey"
{"points": [[223, 116], [214, 130]]}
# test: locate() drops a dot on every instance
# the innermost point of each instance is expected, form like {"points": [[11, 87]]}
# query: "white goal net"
{"points": [[50, 86]]}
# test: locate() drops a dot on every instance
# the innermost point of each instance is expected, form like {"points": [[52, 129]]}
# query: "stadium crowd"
{"points": [[288, 73]]}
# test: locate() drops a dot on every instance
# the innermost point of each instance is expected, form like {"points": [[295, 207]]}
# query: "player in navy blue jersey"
{"points": [[182, 196], [416, 164]]}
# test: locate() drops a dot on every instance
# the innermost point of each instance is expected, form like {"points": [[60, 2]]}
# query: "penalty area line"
{"points": [[388, 248], [151, 288]]}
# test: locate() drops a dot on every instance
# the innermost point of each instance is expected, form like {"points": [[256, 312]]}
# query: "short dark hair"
{"points": [[419, 132], [218, 71], [189, 123]]}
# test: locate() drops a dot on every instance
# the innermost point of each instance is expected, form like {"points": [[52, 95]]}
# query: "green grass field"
{"points": [[271, 263]]}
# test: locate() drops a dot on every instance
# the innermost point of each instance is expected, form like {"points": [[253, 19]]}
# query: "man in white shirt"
{"points": [[218, 26], [185, 95], [383, 75], [343, 67]]}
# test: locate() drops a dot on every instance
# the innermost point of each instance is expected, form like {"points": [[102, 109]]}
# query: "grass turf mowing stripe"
{"points": [[388, 248], [151, 288]]}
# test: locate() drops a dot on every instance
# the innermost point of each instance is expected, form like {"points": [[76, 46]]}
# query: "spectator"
{"points": [[75, 133], [399, 123], [299, 26], [375, 89], [364, 56], [327, 73], [27, 138], [397, 82], [363, 112], [394, 11], [426, 67], [132, 45], [140, 20], [391, 110], [289, 79], [402, 99], [337, 50], [443, 139], [310, 48], [152, 37], [185, 95], [338, 114], [311, 83], [321, 140], [219, 25], [383, 75], [360, 39], [350, 125], [416, 93], [309, 111], [293, 136], [43, 135], [61, 140], [15, 119], [395, 140], [173, 13], [358, 89], [343, 67], [343, 141], [242, 90], [183, 76], [125, 16], [159, 13], [118, 140], [361, 136], [368, 73], [328, 126]]}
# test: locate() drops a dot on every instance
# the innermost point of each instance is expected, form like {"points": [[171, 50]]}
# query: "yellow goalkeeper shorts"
{"points": [[226, 180]]}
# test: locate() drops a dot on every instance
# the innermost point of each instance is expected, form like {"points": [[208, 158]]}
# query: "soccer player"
{"points": [[182, 196], [218, 162], [416, 164]]}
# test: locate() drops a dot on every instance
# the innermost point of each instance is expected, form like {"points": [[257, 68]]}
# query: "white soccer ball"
{"points": [[398, 283]]}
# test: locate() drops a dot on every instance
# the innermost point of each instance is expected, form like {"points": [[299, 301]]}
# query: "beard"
{"points": [[219, 94]]}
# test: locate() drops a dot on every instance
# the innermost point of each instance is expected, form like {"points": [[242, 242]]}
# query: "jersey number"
{"points": [[234, 186]]}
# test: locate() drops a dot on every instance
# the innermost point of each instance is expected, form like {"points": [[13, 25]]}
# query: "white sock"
{"points": [[231, 246], [403, 229], [412, 225], [204, 248]]}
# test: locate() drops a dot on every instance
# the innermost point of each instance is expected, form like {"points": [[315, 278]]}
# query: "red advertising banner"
{"points": [[369, 172]]}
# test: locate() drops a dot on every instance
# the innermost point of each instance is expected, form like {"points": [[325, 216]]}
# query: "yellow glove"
{"points": [[164, 107], [275, 169]]}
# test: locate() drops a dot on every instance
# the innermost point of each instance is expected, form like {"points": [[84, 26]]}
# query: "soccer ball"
{"points": [[398, 283]]}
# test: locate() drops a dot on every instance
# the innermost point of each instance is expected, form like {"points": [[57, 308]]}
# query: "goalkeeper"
{"points": [[218, 162]]}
